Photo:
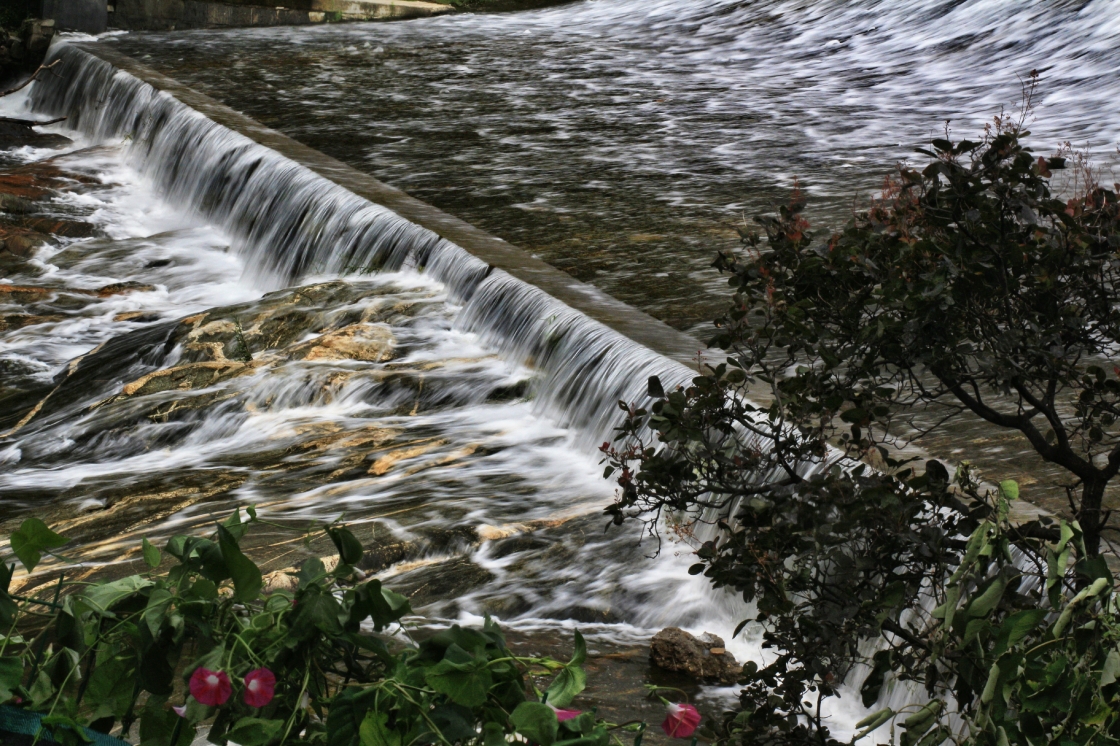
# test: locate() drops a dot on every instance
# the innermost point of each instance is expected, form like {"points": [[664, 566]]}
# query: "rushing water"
{"points": [[452, 407], [447, 408], [624, 141]]}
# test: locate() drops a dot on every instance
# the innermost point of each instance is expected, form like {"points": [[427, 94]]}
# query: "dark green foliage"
{"points": [[15, 12], [968, 286], [111, 653]]}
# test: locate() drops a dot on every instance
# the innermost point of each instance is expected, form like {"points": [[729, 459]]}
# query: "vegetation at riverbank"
{"points": [[319, 655], [969, 286]]}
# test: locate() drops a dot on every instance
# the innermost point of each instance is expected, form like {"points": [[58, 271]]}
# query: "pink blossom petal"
{"points": [[210, 687], [260, 687], [681, 721]]}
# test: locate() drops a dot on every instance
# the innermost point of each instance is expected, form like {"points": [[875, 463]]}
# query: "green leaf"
{"points": [[1110, 669], [1016, 627], [152, 554], [246, 576], [346, 715], [579, 651], [455, 722], [568, 683], [873, 721], [103, 598], [986, 601], [11, 673], [157, 725], [349, 548], [1009, 490], [461, 676], [65, 728], [374, 730], [156, 611], [255, 731], [316, 611], [31, 540], [536, 721], [371, 600], [493, 735], [111, 686]]}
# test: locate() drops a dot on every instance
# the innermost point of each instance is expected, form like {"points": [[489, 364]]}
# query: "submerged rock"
{"points": [[703, 658]]}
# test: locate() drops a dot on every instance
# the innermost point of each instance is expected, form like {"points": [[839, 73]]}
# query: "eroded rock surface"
{"points": [[703, 658]]}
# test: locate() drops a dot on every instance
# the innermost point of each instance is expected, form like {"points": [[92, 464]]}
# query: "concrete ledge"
{"points": [[591, 301]]}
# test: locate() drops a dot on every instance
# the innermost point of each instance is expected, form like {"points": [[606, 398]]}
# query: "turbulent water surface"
{"points": [[212, 342], [624, 140]]}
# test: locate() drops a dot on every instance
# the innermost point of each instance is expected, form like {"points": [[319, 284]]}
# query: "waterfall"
{"points": [[288, 221]]}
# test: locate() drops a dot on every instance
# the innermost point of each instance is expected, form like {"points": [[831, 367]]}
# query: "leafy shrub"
{"points": [[292, 666], [968, 286]]}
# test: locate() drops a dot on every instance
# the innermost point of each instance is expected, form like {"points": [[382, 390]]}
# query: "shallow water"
{"points": [[626, 141], [438, 442], [623, 141]]}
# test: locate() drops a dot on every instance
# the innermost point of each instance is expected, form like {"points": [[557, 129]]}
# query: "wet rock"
{"points": [[23, 294], [119, 288], [443, 580], [90, 376], [184, 377], [36, 181], [703, 658], [22, 243], [18, 134], [20, 320], [56, 226], [366, 342], [140, 317], [14, 205], [13, 266]]}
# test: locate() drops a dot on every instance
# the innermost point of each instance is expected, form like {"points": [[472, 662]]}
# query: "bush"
{"points": [[295, 666], [968, 286]]}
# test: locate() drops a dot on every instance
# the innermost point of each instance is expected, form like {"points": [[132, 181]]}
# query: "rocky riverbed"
{"points": [[132, 404]]}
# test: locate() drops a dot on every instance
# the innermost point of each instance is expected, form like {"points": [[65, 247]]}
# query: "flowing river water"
{"points": [[451, 410], [625, 142]]}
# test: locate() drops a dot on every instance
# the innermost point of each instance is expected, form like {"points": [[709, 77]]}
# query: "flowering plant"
{"points": [[153, 656]]}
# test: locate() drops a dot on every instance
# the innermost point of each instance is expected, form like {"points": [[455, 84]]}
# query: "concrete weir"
{"points": [[495, 252]]}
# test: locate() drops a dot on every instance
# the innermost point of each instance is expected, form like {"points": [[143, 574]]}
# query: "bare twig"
{"points": [[28, 82], [31, 122]]}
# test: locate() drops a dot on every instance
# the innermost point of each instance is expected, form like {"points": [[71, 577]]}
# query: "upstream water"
{"points": [[451, 408], [624, 141], [184, 360]]}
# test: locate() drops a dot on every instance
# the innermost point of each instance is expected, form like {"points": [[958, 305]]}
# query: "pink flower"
{"points": [[260, 686], [563, 715], [210, 687], [181, 710], [681, 721]]}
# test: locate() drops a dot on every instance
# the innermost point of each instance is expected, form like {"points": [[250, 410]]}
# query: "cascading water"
{"points": [[675, 112], [625, 140], [402, 381]]}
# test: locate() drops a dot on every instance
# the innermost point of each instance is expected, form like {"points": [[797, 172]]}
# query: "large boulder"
{"points": [[703, 658]]}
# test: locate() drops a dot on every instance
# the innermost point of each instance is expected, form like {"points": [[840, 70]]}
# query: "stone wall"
{"points": [[168, 15], [89, 16]]}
